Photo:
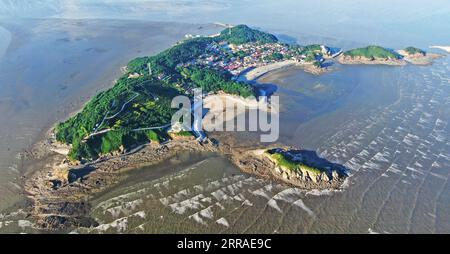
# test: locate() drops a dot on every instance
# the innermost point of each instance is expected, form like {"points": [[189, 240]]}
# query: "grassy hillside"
{"points": [[373, 52]]}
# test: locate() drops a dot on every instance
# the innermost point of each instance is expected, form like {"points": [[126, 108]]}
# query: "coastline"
{"points": [[257, 162], [419, 59], [360, 60], [257, 72], [60, 192], [219, 103]]}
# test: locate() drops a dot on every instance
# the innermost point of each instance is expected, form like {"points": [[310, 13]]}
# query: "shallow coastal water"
{"points": [[346, 92], [205, 194]]}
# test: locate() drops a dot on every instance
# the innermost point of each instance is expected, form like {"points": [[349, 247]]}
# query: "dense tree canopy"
{"points": [[373, 52], [213, 81], [243, 34], [130, 104]]}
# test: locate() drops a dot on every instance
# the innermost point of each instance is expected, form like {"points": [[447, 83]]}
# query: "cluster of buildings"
{"points": [[256, 55], [238, 58]]}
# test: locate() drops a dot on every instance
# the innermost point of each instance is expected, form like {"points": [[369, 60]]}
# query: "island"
{"points": [[129, 125], [371, 55], [300, 168], [418, 56], [379, 55]]}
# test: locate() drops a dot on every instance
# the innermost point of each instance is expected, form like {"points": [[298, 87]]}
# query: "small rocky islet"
{"points": [[300, 168], [378, 55]]}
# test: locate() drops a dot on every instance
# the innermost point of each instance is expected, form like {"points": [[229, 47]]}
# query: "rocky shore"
{"points": [[257, 162], [419, 58], [59, 191], [258, 72], [343, 59]]}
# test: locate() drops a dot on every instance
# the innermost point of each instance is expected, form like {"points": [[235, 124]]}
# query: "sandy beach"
{"points": [[217, 104], [259, 71], [229, 100]]}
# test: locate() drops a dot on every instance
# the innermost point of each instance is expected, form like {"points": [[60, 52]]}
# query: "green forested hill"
{"points": [[243, 34], [373, 52]]}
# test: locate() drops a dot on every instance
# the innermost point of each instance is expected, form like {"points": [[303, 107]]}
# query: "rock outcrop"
{"points": [[419, 58], [344, 59], [59, 192], [260, 163]]}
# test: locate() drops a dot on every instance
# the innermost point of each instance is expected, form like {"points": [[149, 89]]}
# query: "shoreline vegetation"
{"points": [[128, 126]]}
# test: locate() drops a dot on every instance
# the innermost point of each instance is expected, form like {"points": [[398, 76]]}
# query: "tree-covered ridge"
{"points": [[241, 34], [113, 118], [373, 52], [413, 51]]}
